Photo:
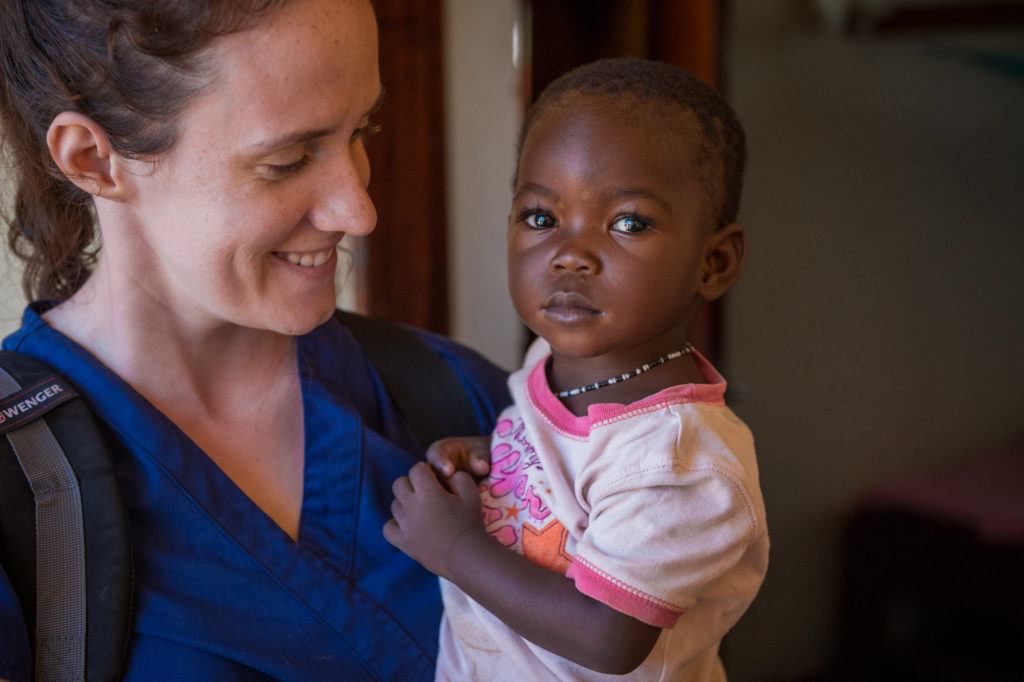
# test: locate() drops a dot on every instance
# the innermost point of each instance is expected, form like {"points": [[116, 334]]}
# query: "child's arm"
{"points": [[444, 532]]}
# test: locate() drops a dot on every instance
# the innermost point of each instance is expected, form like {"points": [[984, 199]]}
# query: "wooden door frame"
{"points": [[406, 261]]}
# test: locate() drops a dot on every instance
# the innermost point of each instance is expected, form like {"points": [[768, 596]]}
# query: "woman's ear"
{"points": [[81, 149], [725, 253]]}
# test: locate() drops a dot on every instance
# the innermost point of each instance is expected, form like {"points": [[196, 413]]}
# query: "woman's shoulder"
{"points": [[407, 355], [464, 359], [369, 333], [31, 324]]}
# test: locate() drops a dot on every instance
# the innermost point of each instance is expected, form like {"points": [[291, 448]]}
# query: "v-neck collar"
{"points": [[318, 569], [325, 405]]}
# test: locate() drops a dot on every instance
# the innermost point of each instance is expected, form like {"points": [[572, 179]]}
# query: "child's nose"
{"points": [[575, 257]]}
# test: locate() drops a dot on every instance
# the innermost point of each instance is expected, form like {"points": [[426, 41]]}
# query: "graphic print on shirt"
{"points": [[515, 497]]}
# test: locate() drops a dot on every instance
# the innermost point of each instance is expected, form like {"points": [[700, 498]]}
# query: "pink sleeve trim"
{"points": [[595, 583]]}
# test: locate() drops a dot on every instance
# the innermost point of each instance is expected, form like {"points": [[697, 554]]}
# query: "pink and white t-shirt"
{"points": [[652, 508]]}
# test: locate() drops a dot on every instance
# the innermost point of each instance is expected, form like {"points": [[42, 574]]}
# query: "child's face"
{"points": [[607, 231]]}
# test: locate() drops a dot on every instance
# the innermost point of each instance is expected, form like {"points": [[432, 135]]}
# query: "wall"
{"points": [[877, 331], [483, 116], [11, 299]]}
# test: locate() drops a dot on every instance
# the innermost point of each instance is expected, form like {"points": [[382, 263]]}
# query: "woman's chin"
{"points": [[298, 319]]}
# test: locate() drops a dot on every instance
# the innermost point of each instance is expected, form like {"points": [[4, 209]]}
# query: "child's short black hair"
{"points": [[723, 139]]}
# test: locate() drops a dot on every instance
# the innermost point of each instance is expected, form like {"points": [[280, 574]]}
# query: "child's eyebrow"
{"points": [[534, 188], [639, 193], [617, 193]]}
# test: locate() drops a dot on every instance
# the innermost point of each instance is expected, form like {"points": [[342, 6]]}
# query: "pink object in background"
{"points": [[984, 492]]}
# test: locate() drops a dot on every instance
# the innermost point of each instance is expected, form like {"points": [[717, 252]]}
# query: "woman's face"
{"points": [[240, 221]]}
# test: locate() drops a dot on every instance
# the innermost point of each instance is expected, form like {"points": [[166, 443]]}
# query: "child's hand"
{"points": [[471, 454], [429, 521]]}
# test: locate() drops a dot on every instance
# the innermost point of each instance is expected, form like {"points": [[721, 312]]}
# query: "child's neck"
{"points": [[564, 373]]}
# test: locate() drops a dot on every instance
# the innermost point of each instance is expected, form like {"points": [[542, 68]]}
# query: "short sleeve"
{"points": [[15, 654], [658, 540]]}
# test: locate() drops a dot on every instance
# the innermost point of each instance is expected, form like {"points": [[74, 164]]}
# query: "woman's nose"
{"points": [[344, 204]]}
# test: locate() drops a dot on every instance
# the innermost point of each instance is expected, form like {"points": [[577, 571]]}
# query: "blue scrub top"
{"points": [[221, 592]]}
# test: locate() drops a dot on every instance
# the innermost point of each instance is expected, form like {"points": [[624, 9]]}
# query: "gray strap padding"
{"points": [[60, 549]]}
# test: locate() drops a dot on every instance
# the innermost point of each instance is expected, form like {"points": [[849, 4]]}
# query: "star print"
{"points": [[512, 512]]}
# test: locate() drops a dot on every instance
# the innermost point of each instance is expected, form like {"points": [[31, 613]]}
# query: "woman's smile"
{"points": [[307, 259]]}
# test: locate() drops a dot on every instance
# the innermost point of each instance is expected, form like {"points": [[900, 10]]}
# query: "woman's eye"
{"points": [[539, 221], [284, 170], [631, 224]]}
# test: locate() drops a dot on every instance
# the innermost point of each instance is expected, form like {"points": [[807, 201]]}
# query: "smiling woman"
{"points": [[216, 151], [274, 172]]}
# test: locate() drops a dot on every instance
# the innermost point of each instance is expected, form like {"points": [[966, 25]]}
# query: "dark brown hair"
{"points": [[131, 67]]}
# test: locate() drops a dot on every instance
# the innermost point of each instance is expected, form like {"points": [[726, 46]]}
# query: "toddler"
{"points": [[625, 488]]}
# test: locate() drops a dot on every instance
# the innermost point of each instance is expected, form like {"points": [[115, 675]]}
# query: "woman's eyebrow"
{"points": [[290, 139], [294, 138]]}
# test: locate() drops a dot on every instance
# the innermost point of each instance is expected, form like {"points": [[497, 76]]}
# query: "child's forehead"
{"points": [[622, 140], [670, 122], [661, 130]]}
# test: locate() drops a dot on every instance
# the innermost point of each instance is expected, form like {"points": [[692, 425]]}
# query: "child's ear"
{"points": [[725, 253], [82, 151]]}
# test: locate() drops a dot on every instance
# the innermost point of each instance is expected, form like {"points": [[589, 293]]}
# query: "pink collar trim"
{"points": [[710, 393]]}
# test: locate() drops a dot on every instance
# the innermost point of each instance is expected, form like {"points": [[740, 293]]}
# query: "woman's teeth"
{"points": [[307, 260]]}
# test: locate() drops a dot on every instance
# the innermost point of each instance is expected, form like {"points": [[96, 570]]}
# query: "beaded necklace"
{"points": [[627, 375]]}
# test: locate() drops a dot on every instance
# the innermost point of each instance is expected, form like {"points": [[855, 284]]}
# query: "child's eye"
{"points": [[539, 220], [631, 224], [277, 171]]}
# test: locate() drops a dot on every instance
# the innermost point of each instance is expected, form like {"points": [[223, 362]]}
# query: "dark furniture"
{"points": [[933, 584]]}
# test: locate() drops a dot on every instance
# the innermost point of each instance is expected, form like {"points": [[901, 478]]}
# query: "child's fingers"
{"points": [[480, 463], [443, 455], [401, 487], [479, 451], [392, 533], [463, 485], [422, 477], [397, 510], [463, 453]]}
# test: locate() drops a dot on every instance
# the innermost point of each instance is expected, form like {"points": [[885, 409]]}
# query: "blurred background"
{"points": [[874, 344]]}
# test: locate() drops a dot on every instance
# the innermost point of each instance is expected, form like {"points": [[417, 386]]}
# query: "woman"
{"points": [[221, 148]]}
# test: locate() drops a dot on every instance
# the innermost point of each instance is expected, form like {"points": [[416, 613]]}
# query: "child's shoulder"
{"points": [[693, 428], [678, 445]]}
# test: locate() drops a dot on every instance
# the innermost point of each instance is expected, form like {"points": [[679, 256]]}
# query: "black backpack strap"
{"points": [[63, 531], [64, 536], [422, 386]]}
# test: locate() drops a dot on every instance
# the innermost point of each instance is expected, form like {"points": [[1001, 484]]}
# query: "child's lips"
{"points": [[568, 306]]}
